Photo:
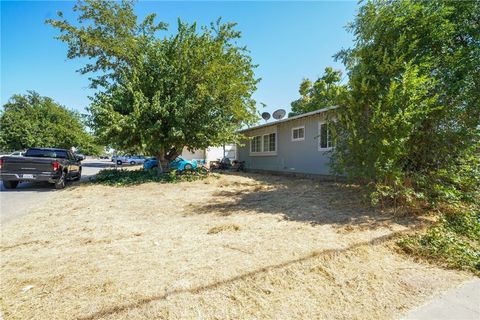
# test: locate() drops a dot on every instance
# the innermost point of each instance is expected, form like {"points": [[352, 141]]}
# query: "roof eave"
{"points": [[304, 115]]}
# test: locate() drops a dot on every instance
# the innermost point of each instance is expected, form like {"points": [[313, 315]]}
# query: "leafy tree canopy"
{"points": [[326, 91], [31, 120], [411, 119], [159, 94]]}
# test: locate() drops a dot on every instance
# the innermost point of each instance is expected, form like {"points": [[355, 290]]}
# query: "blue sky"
{"points": [[288, 40]]}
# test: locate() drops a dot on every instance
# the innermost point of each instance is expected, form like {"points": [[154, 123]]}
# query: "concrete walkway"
{"points": [[462, 303]]}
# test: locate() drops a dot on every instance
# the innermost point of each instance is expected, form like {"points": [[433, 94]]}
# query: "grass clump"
{"points": [[224, 228], [121, 178], [454, 241]]}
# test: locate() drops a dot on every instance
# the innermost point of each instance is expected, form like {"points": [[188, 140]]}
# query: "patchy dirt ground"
{"points": [[248, 246]]}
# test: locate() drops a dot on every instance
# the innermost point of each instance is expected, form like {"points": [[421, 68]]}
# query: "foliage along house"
{"points": [[298, 144]]}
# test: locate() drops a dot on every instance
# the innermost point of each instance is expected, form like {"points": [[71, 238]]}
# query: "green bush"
{"points": [[134, 177], [409, 121], [454, 242]]}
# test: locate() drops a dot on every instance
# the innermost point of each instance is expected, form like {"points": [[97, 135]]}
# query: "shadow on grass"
{"points": [[301, 199], [264, 270], [34, 242]]}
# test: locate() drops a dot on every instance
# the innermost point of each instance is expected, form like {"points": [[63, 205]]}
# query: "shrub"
{"points": [[409, 121], [134, 177], [454, 241]]}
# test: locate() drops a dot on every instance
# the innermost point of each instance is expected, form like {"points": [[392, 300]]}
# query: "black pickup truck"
{"points": [[41, 164]]}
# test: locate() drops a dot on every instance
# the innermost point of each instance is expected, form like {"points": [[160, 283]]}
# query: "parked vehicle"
{"points": [[17, 153], [150, 163], [41, 164], [179, 164], [128, 159]]}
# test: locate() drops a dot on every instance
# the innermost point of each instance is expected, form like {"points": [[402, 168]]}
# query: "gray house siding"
{"points": [[291, 156]]}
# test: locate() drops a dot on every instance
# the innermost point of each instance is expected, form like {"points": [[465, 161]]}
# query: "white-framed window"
{"points": [[264, 144], [298, 133], [256, 144], [270, 142], [326, 140]]}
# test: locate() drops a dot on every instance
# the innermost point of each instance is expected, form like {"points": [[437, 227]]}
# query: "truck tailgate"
{"points": [[27, 165]]}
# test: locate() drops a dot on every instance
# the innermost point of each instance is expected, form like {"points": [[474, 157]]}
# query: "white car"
{"points": [[17, 153], [132, 160]]}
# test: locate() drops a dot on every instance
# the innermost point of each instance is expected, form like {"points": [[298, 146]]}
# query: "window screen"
{"points": [[255, 144], [298, 134], [269, 142]]}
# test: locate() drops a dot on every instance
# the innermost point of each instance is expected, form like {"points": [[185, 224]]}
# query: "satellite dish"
{"points": [[279, 114], [266, 116]]}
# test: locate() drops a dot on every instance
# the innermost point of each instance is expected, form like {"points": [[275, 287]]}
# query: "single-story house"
{"points": [[299, 144]]}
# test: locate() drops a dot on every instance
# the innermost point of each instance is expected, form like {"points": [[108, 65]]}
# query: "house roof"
{"points": [[304, 115]]}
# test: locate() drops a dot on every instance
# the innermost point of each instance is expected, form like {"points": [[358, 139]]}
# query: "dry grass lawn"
{"points": [[234, 247]]}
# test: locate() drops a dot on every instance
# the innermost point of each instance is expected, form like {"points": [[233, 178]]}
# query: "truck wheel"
{"points": [[187, 167], [119, 162], [10, 184], [60, 184], [132, 163]]}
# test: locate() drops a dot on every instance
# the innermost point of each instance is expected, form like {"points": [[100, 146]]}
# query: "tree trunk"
{"points": [[162, 162], [164, 159]]}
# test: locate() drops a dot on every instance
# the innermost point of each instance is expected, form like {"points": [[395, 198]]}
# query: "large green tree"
{"points": [[158, 94], [326, 91], [411, 119], [31, 120]]}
